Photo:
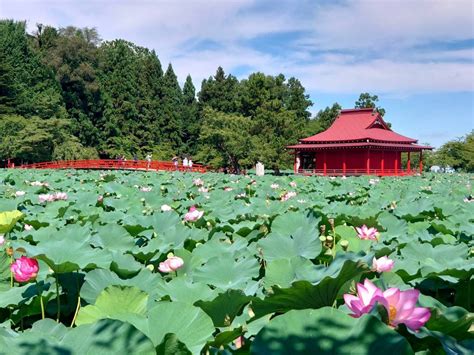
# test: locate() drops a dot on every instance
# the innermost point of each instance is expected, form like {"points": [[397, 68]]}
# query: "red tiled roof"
{"points": [[403, 146], [356, 125]]}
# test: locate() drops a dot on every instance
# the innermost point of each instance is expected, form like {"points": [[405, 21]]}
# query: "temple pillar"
{"points": [[396, 163], [382, 163], [421, 161], [324, 164], [408, 163], [344, 162], [368, 162]]}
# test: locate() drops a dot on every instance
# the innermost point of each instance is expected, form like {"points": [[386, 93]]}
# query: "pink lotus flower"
{"points": [[60, 196], [193, 214], [46, 198], [28, 227], [100, 199], [2, 239], [274, 186], [401, 308], [400, 305], [20, 193], [198, 182], [166, 208], [367, 233], [293, 184], [24, 269], [288, 195], [228, 189], [145, 189], [367, 295], [173, 263], [382, 264], [203, 189]]}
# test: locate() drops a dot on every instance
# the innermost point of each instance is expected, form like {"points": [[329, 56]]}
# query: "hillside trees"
{"points": [[113, 98]]}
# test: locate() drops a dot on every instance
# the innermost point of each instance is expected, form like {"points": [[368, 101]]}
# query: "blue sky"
{"points": [[417, 56]]}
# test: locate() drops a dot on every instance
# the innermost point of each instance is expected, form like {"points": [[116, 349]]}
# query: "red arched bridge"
{"points": [[113, 164]]}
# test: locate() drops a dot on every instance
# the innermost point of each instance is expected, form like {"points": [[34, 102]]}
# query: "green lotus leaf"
{"points": [[327, 331], [225, 307], [8, 220], [115, 302], [292, 234], [322, 291]]}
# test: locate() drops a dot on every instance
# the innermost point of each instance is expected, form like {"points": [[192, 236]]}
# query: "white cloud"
{"points": [[350, 47]]}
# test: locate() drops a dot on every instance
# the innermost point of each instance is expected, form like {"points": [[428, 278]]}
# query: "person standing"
{"points": [[175, 162], [185, 163], [148, 161], [190, 164]]}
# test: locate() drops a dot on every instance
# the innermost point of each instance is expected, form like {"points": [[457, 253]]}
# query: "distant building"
{"points": [[359, 142]]}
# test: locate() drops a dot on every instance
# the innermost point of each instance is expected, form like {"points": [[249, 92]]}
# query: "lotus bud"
{"points": [[344, 244], [331, 222]]}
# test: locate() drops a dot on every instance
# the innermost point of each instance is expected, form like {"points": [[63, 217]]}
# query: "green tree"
{"points": [[171, 106], [220, 92], [458, 154], [191, 119], [73, 55], [35, 90], [327, 116], [225, 140], [366, 100]]}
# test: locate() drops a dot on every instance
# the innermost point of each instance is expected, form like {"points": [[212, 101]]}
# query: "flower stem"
{"points": [[11, 273], [41, 299], [58, 300], [77, 310]]}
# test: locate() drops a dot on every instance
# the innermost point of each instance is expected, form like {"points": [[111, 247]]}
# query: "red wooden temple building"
{"points": [[359, 142]]}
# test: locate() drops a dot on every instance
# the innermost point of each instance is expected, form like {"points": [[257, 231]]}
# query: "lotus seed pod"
{"points": [[329, 238], [150, 267], [208, 224], [169, 255], [331, 221], [322, 238]]}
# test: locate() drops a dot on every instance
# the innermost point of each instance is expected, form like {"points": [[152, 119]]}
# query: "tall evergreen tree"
{"points": [[220, 92], [37, 93], [171, 105], [191, 119]]}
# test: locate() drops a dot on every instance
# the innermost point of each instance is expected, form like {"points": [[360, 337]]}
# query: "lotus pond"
{"points": [[124, 262]]}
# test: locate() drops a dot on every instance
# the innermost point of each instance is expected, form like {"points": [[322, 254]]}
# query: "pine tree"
{"points": [[171, 105], [191, 120]]}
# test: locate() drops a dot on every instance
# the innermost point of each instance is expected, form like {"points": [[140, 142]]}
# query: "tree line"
{"points": [[66, 94]]}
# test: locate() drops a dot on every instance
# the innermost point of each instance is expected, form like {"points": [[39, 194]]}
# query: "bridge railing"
{"points": [[114, 164]]}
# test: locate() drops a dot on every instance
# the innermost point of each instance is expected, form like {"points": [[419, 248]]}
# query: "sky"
{"points": [[417, 56]]}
